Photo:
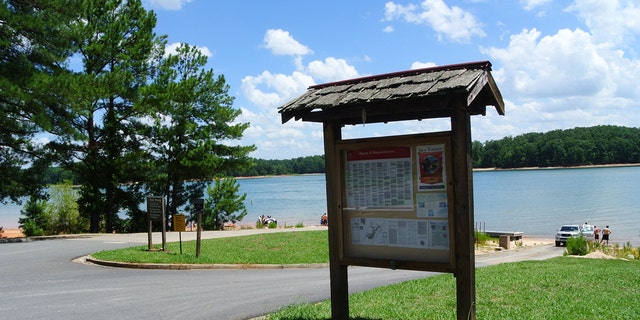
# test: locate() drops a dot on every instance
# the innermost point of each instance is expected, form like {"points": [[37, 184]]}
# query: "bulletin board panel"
{"points": [[397, 202]]}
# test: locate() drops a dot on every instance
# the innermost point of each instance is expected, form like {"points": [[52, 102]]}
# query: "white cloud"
{"points": [[168, 4], [173, 49], [611, 21], [331, 69], [452, 22], [277, 141], [270, 90], [388, 29], [422, 65], [565, 64], [532, 4], [280, 42]]}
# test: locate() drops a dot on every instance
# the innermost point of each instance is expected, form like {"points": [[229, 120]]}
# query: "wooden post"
{"points": [[149, 233], [164, 228], [198, 234], [337, 272], [198, 208], [464, 269]]}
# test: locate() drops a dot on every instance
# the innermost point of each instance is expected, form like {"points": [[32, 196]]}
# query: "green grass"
{"points": [[559, 288], [272, 248]]}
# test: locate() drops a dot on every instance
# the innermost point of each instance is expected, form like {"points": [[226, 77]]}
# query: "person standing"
{"points": [[596, 234], [605, 235]]}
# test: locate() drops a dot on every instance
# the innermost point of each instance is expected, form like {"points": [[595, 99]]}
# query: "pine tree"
{"points": [[192, 124], [224, 204], [34, 44], [115, 41]]}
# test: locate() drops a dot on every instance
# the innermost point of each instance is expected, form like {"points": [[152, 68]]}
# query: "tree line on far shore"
{"points": [[597, 145]]}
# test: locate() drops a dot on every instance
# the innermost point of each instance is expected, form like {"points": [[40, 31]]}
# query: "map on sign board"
{"points": [[407, 233]]}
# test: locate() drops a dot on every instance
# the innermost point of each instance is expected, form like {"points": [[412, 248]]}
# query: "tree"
{"points": [[223, 205], [191, 126], [34, 44], [116, 43], [36, 219], [62, 210]]}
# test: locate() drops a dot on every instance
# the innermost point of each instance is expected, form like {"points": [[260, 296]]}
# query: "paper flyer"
{"points": [[431, 167], [432, 205]]}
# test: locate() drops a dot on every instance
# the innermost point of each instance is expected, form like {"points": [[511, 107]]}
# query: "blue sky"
{"points": [[558, 64]]}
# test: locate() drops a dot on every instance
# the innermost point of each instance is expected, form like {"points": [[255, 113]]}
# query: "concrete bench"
{"points": [[513, 235]]}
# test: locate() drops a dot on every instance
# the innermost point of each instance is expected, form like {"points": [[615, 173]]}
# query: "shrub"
{"points": [[36, 221], [481, 237], [30, 229], [577, 246]]}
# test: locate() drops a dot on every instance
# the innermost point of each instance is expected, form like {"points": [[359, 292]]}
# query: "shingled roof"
{"points": [[406, 95]]}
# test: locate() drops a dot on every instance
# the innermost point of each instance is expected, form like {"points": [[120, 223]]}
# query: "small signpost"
{"points": [[155, 212], [180, 226], [198, 207]]}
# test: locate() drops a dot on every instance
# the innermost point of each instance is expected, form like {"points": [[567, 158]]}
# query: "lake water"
{"points": [[535, 202]]}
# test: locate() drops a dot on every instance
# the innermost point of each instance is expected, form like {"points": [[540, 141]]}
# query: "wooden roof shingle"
{"points": [[412, 94]]}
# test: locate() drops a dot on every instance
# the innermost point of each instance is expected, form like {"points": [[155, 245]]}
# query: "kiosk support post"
{"points": [[337, 272], [463, 212]]}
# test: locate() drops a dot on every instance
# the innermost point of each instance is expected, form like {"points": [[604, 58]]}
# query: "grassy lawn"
{"points": [[559, 288], [272, 248]]}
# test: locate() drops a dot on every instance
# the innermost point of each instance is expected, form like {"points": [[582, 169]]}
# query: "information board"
{"points": [[397, 202], [179, 223], [155, 208]]}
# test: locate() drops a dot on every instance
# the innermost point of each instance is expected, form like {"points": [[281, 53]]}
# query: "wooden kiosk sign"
{"points": [[156, 212], [401, 202]]}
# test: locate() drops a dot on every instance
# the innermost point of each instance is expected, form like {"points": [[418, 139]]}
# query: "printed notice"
{"points": [[406, 233], [432, 205], [431, 167], [379, 178], [439, 231]]}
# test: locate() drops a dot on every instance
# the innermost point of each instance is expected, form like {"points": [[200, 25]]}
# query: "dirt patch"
{"points": [[596, 255]]}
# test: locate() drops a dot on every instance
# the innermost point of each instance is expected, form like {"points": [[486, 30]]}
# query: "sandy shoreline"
{"points": [[11, 233]]}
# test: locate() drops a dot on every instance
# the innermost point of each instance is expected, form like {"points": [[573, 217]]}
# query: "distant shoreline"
{"points": [[568, 167], [474, 169]]}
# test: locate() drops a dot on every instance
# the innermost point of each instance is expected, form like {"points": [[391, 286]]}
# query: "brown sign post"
{"points": [[401, 202], [179, 224], [198, 208]]}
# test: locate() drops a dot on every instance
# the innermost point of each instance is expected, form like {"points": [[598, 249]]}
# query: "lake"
{"points": [[536, 202]]}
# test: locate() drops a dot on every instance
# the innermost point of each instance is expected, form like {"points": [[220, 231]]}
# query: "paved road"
{"points": [[38, 280]]}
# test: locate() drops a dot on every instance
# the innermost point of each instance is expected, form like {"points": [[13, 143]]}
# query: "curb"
{"points": [[14, 240], [184, 266], [41, 238]]}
